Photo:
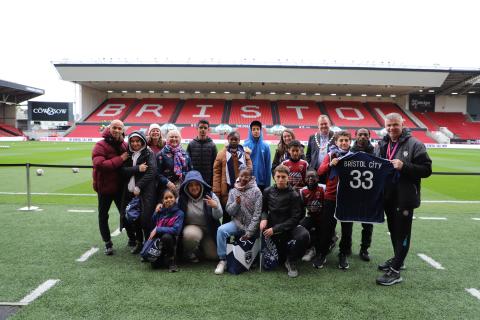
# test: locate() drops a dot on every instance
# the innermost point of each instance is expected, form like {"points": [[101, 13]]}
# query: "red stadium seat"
{"points": [[85, 131], [111, 109], [246, 111], [347, 114], [381, 109], [457, 123], [152, 111], [422, 136], [298, 113], [196, 109], [431, 126], [10, 131]]}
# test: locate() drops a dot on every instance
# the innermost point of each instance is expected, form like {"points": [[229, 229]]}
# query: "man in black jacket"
{"points": [[409, 156], [203, 151], [281, 214], [319, 144]]}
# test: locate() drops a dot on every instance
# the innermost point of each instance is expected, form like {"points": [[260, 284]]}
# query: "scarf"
{"points": [[230, 170], [131, 183], [179, 159]]}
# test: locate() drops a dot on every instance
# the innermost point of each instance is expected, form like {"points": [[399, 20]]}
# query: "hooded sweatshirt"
{"points": [[196, 210], [246, 215], [135, 155], [261, 159]]}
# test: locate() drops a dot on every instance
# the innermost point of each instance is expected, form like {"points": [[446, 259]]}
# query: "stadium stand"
{"points": [[85, 131], [380, 109], [457, 123], [422, 136], [244, 134], [196, 109], [246, 111], [298, 113], [152, 111], [9, 131], [431, 126], [346, 114], [112, 109]]}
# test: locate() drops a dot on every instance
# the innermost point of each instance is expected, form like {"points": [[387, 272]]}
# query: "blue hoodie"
{"points": [[261, 159]]}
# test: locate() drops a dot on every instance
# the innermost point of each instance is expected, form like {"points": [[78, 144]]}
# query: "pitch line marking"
{"points": [[51, 194], [13, 304], [474, 292], [432, 218], [87, 254], [115, 233], [41, 289], [430, 261], [451, 201], [80, 210], [476, 219]]}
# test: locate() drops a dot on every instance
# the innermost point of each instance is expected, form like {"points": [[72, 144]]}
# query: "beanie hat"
{"points": [[154, 126]]}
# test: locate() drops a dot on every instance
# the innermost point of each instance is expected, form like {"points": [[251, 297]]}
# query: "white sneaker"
{"points": [[220, 267], [309, 254], [291, 269]]}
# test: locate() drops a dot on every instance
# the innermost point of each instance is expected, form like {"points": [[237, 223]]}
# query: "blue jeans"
{"points": [[225, 231]]}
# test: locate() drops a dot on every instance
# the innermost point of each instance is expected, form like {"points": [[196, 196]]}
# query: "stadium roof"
{"points": [[14, 93], [254, 79]]}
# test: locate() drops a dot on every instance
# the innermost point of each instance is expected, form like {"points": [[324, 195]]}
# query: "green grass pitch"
{"points": [[45, 245]]}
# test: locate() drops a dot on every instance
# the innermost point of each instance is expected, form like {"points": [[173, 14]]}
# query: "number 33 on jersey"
{"points": [[361, 181]]}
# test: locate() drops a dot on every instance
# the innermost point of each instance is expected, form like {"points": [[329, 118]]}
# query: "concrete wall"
{"points": [[451, 104], [89, 100], [8, 114]]}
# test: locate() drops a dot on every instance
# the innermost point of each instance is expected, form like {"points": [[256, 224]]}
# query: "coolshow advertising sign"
{"points": [[50, 111], [422, 102]]}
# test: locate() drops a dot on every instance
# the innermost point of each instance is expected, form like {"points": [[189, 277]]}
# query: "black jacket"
{"points": [[143, 180], [313, 150], [202, 155], [367, 149], [405, 194], [282, 208]]}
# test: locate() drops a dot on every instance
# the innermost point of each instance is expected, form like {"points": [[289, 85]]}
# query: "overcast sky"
{"points": [[400, 33]]}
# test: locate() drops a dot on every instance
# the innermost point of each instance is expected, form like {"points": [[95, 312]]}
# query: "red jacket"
{"points": [[331, 185], [106, 164]]}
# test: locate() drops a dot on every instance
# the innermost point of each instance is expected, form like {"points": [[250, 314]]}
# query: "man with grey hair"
{"points": [[108, 156], [410, 158], [319, 143]]}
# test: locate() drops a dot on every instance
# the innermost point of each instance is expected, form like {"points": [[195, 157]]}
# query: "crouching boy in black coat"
{"points": [[281, 213]]}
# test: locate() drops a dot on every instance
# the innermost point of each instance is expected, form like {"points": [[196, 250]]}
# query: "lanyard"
{"points": [[390, 152]]}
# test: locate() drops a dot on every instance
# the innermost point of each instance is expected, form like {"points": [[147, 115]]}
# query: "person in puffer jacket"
{"points": [[108, 156], [139, 174], [245, 206], [168, 225]]}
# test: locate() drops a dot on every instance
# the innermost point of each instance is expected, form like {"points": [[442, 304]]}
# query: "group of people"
{"points": [[194, 200]]}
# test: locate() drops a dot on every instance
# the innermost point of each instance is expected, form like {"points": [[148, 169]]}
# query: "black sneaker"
{"points": [[108, 248], [137, 248], [291, 269], [343, 262], [319, 261], [364, 255], [390, 277], [172, 267], [387, 264]]}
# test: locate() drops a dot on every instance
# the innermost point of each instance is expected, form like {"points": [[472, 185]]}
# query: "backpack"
{"points": [[133, 210], [152, 250]]}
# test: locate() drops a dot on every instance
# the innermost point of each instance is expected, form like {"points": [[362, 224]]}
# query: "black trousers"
{"points": [[169, 242], [313, 228], [292, 244], [327, 228], [345, 245], [400, 226], [104, 204]]}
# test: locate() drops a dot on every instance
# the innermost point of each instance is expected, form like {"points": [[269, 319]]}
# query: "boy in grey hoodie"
{"points": [[245, 206]]}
